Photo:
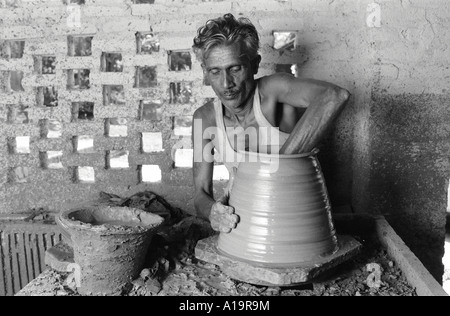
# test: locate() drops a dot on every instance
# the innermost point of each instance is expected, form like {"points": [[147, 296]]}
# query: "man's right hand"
{"points": [[222, 217]]}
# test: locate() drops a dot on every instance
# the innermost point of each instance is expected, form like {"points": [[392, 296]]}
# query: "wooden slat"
{"points": [[2, 269], [22, 258], [41, 247], [35, 254], [15, 262], [7, 263], [48, 241], [29, 257]]}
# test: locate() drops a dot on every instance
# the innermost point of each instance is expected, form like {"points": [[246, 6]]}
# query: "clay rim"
{"points": [[314, 152], [68, 224]]}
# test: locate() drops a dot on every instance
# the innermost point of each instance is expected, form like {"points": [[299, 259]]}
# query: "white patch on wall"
{"points": [[53, 160], [54, 129], [373, 15], [152, 142], [118, 159], [151, 173], [221, 173], [285, 40], [184, 158], [183, 126], [23, 145], [85, 174], [117, 127], [84, 144]]}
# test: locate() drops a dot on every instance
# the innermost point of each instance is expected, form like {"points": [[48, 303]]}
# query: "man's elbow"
{"points": [[340, 95]]}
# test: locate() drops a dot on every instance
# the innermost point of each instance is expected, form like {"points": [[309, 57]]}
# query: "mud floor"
{"points": [[171, 268]]}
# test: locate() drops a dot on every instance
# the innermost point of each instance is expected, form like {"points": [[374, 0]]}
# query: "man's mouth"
{"points": [[230, 95]]}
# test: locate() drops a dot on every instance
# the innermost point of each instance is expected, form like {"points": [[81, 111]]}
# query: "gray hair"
{"points": [[226, 30]]}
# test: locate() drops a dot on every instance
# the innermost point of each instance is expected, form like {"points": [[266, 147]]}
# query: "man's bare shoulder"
{"points": [[275, 82], [206, 113]]}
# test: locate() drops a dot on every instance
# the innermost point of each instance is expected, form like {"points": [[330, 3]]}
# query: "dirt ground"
{"points": [[171, 268]]}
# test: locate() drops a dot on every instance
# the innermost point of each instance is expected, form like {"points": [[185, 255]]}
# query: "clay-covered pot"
{"points": [[110, 245], [284, 210]]}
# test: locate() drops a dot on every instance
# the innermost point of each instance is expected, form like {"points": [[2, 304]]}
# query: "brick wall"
{"points": [[123, 127]]}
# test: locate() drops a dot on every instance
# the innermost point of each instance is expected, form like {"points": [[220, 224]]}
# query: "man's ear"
{"points": [[255, 64]]}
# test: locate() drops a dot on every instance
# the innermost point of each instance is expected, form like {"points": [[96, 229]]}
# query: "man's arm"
{"points": [[203, 166], [324, 102], [220, 215]]}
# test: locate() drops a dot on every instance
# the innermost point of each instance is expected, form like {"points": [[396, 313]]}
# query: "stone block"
{"points": [[59, 257], [259, 274]]}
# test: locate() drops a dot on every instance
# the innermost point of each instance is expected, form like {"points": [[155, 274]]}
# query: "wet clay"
{"points": [[284, 210], [110, 245]]}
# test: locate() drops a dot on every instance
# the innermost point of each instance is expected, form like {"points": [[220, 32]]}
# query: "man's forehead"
{"points": [[225, 53]]}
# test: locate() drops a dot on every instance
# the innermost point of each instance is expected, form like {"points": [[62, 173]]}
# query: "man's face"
{"points": [[231, 75]]}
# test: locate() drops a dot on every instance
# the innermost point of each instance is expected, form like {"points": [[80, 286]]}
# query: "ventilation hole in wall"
{"points": [[19, 145], [50, 128], [144, 1], [82, 111], [112, 62], [182, 126], [147, 43], [18, 175], [84, 175], [12, 49], [17, 114], [51, 159], [180, 61], [221, 173], [83, 144], [180, 92], [79, 2], [113, 95], [285, 40], [150, 110], [79, 45], [150, 174], [46, 65], [116, 127], [117, 159], [184, 158], [287, 68], [146, 77], [47, 96], [10, 3], [78, 79], [15, 81], [152, 142]]}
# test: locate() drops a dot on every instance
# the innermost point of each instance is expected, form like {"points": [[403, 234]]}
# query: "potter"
{"points": [[228, 51]]}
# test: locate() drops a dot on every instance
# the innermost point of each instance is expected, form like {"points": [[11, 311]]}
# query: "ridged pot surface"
{"points": [[284, 210]]}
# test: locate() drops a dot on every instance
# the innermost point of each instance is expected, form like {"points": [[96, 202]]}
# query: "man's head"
{"points": [[228, 50]]}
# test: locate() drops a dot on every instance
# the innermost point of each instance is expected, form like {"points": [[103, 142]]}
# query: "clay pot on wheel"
{"points": [[284, 210]]}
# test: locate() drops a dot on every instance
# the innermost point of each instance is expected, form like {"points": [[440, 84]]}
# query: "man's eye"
{"points": [[214, 72], [236, 69]]}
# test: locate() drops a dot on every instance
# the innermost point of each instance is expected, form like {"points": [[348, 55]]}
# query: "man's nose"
{"points": [[227, 80]]}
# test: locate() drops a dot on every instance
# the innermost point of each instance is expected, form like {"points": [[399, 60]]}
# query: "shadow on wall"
{"points": [[409, 170]]}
